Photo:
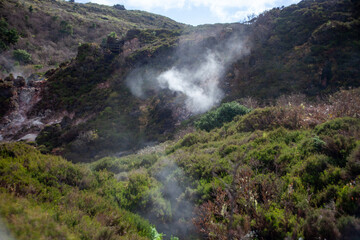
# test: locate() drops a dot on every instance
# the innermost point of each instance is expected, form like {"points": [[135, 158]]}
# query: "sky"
{"points": [[196, 12]]}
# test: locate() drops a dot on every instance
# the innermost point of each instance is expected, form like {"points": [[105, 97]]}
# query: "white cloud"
{"points": [[224, 10], [153, 4]]}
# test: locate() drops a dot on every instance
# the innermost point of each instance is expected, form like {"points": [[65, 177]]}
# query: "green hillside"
{"points": [[51, 31], [311, 48], [102, 138], [47, 197], [288, 171]]}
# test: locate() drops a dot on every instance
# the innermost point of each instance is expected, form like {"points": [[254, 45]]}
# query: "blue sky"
{"points": [[197, 12]]}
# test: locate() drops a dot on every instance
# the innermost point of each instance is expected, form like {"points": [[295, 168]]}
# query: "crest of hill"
{"points": [[51, 31]]}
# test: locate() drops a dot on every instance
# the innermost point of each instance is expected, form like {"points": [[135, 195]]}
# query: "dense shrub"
{"points": [[49, 137], [7, 36], [22, 56], [259, 119], [225, 113], [353, 163], [339, 125], [314, 166], [66, 28], [44, 196]]}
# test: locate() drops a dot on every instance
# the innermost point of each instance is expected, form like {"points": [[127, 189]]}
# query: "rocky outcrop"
{"points": [[18, 97]]}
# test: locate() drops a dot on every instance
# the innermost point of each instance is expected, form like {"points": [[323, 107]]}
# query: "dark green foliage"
{"points": [[8, 36], [66, 28], [344, 125], [339, 136], [225, 113], [6, 94], [310, 47], [353, 163], [297, 175], [125, 164], [314, 167], [44, 196], [349, 199], [49, 137], [22, 56]]}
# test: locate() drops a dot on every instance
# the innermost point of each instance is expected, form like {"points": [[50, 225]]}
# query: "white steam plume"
{"points": [[200, 86], [197, 81]]}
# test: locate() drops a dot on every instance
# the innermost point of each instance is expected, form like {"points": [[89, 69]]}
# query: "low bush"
{"points": [[44, 196], [22, 56], [353, 163], [7, 36], [225, 113]]}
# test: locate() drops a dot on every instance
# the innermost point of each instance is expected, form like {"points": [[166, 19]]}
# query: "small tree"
{"points": [[22, 56], [66, 28], [7, 36]]}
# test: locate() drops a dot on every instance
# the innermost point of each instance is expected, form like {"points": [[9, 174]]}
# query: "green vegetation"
{"points": [[276, 172], [261, 174], [92, 83], [309, 47], [225, 113], [8, 36], [6, 94], [52, 30], [22, 56], [66, 28], [286, 170], [45, 196]]}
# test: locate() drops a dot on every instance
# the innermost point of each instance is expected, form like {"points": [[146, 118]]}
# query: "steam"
{"points": [[195, 76], [178, 219], [200, 86], [4, 232]]}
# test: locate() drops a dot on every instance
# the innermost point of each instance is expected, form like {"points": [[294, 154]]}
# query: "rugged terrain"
{"points": [[271, 105]]}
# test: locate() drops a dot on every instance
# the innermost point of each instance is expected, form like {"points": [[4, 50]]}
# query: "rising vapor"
{"points": [[197, 80]]}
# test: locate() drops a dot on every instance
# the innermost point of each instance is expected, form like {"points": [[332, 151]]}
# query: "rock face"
{"points": [[20, 98]]}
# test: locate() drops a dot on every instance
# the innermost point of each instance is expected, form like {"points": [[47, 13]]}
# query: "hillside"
{"points": [[118, 124], [287, 171], [47, 197], [91, 102], [311, 48], [51, 31]]}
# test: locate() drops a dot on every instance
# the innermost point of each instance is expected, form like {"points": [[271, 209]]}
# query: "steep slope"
{"points": [[311, 47], [47, 197], [51, 31], [287, 171], [135, 89], [102, 112]]}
